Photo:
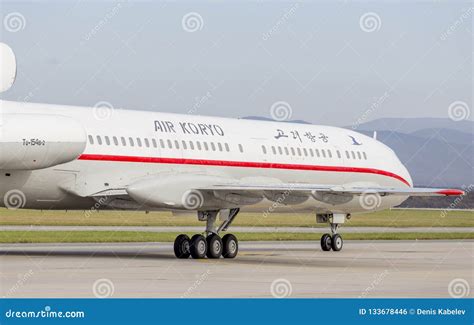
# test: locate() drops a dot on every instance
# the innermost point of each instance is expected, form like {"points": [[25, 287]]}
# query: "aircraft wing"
{"points": [[203, 191], [335, 189]]}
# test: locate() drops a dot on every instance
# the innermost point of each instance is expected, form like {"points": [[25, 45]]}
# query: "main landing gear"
{"points": [[334, 240], [210, 245]]}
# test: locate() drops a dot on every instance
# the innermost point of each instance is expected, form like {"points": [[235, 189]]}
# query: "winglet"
{"points": [[451, 192]]}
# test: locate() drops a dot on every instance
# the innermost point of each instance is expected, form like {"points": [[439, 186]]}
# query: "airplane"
{"points": [[68, 157]]}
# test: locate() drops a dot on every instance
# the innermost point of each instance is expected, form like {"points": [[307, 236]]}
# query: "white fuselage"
{"points": [[125, 146]]}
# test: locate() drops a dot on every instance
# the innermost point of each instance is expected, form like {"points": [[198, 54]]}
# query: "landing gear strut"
{"points": [[334, 240], [210, 245]]}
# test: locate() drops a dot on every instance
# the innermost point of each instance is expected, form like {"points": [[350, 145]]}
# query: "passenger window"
{"points": [[154, 143], [147, 143], [213, 146], [131, 142], [162, 143], [91, 139], [273, 150], [185, 147], [347, 155], [353, 155], [107, 140], [220, 146], [206, 147], [264, 150], [359, 155], [323, 152], [176, 144], [241, 148], [227, 147], [139, 142], [191, 145], [198, 144], [338, 154], [286, 151], [299, 151], [365, 156], [280, 151], [124, 142], [329, 153], [292, 151], [170, 144], [115, 140], [311, 152], [305, 152], [317, 152]]}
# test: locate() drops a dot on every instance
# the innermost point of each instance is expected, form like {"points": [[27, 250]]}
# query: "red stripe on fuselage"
{"points": [[226, 163]]}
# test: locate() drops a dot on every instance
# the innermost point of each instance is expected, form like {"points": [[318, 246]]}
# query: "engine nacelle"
{"points": [[34, 141]]}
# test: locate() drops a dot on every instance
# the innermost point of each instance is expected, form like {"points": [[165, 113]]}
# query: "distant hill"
{"points": [[448, 135], [261, 118], [432, 161], [437, 152], [447, 202], [410, 125]]}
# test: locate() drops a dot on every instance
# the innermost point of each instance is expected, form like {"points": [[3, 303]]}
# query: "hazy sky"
{"points": [[333, 63]]}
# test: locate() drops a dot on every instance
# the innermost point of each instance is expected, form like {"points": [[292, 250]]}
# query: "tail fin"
{"points": [[7, 67]]}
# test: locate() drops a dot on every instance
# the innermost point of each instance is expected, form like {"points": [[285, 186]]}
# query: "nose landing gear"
{"points": [[334, 240]]}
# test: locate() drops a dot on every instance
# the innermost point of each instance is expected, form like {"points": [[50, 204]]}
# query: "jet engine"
{"points": [[35, 141]]}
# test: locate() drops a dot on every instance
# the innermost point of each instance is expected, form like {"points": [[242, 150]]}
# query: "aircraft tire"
{"points": [[326, 242], [214, 246], [198, 247], [230, 246], [181, 246]]}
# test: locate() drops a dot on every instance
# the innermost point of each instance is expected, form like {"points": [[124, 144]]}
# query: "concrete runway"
{"points": [[294, 269]]}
